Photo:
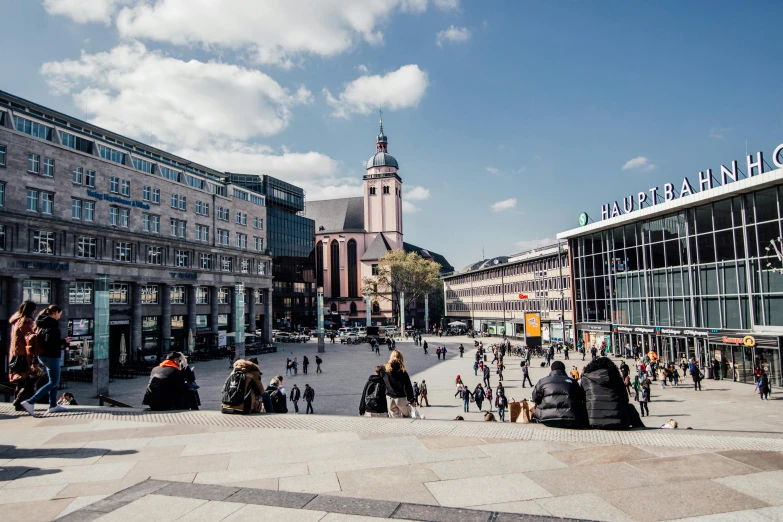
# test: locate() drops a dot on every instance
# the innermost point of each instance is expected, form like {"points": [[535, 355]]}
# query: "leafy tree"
{"points": [[400, 271]]}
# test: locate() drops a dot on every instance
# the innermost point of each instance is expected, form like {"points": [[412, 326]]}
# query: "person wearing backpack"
{"points": [[20, 362], [295, 396], [277, 397], [318, 362], [373, 403], [47, 343], [243, 392], [309, 397], [167, 389]]}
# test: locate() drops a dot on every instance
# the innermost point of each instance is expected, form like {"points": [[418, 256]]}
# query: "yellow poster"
{"points": [[533, 325]]}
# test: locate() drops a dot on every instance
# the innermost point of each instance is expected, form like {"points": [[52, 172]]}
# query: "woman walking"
{"points": [[695, 374], [459, 386], [478, 396], [20, 362], [399, 390], [488, 393], [644, 398], [763, 386], [52, 344]]}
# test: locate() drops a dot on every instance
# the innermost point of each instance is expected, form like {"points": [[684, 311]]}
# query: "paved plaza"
{"points": [[721, 406]]}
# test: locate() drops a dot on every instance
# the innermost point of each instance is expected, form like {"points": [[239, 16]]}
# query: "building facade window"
{"points": [[181, 258], [261, 267], [37, 290], [32, 200], [156, 196], [2, 155], [125, 188], [241, 240], [114, 185], [222, 213], [76, 209], [47, 203], [177, 295], [48, 167], [155, 255], [206, 261], [86, 247], [258, 223], [118, 293], [223, 296], [244, 266], [335, 262], [122, 251], [202, 208], [2, 237], [146, 192], [149, 294], [222, 237], [179, 228], [43, 242], [258, 244], [150, 223], [202, 295], [77, 175], [353, 270], [2, 194], [241, 218], [202, 233], [114, 216], [34, 163], [80, 292], [227, 264], [33, 128], [89, 178], [124, 217]]}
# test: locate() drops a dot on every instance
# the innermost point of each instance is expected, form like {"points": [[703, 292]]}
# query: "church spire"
{"points": [[381, 142]]}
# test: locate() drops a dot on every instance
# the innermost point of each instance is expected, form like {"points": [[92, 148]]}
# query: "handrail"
{"points": [[112, 402]]}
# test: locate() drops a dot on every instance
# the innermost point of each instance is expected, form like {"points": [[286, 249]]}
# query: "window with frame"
{"points": [[154, 255], [114, 216], [223, 296], [43, 242], [143, 165], [206, 261], [35, 129], [86, 247], [258, 244], [32, 200], [80, 292], [202, 233], [374, 269], [34, 163], [258, 223], [111, 154], [156, 196], [227, 264], [241, 240], [48, 167], [222, 237], [76, 208], [177, 295], [261, 267], [89, 178], [386, 189], [2, 194], [77, 175], [244, 266], [124, 217], [2, 155], [149, 294], [123, 251], [146, 191], [118, 293], [114, 185], [37, 290], [47, 203], [183, 203], [202, 295], [2, 237], [202, 208], [241, 218], [125, 188], [223, 213], [177, 322], [182, 258], [151, 223], [372, 191]]}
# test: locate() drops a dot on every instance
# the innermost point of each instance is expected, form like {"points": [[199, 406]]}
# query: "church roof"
{"points": [[382, 159], [336, 215], [445, 266], [377, 249]]}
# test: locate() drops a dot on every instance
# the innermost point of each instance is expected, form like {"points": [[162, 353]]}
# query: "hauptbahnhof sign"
{"points": [[755, 166]]}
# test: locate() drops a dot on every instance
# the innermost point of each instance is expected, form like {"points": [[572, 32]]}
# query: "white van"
{"points": [[342, 332]]}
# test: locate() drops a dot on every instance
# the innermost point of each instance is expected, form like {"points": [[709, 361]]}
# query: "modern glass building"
{"points": [[699, 276], [290, 241]]}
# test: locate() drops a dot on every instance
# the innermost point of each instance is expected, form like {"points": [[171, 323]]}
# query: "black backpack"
{"points": [[375, 398], [234, 389], [278, 402]]}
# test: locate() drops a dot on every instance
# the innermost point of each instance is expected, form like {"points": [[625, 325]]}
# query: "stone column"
{"points": [[268, 315], [61, 299], [191, 311], [213, 307], [250, 299], [165, 319], [136, 317]]}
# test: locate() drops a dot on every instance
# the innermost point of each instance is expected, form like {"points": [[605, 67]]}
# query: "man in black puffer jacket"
{"points": [[606, 397], [166, 389], [560, 402]]}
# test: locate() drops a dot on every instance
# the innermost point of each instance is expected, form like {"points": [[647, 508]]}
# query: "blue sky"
{"points": [[508, 118]]}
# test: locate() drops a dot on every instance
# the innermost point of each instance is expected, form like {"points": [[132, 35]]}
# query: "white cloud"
{"points": [[506, 204], [417, 193], [639, 163], [399, 89], [492, 170], [274, 31], [452, 35], [84, 11], [140, 93], [719, 133], [362, 68], [446, 4], [408, 207], [535, 243]]}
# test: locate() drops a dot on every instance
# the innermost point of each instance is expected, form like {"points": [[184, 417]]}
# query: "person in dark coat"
{"points": [[606, 397], [560, 402], [167, 389], [20, 362], [377, 406], [399, 390], [52, 343]]}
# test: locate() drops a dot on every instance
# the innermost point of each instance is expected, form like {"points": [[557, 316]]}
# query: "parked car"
{"points": [[283, 337]]}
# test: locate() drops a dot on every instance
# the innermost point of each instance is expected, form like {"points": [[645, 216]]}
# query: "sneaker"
{"points": [[57, 409], [29, 408]]}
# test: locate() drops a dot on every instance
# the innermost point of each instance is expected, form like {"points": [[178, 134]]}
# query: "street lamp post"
{"points": [[503, 293], [320, 298]]}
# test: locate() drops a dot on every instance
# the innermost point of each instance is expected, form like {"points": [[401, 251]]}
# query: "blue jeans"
{"points": [[52, 366], [467, 405], [502, 414]]}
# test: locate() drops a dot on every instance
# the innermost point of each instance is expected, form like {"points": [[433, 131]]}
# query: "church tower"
{"points": [[383, 194]]}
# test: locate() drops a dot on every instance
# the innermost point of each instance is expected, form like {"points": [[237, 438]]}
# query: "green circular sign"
{"points": [[583, 219]]}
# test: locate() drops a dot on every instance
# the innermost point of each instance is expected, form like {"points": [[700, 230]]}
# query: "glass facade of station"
{"points": [[676, 284]]}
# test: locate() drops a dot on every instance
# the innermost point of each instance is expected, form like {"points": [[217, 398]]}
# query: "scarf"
{"points": [[169, 364]]}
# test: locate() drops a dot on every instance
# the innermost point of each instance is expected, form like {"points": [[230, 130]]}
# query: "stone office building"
{"points": [[78, 201]]}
